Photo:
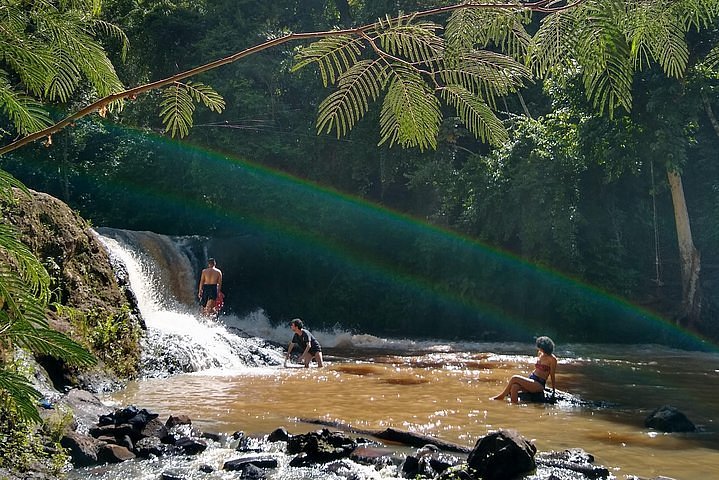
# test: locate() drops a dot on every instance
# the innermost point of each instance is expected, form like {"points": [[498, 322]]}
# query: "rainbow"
{"points": [[288, 220]]}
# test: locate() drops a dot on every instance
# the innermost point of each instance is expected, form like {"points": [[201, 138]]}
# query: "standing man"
{"points": [[210, 287], [311, 349]]}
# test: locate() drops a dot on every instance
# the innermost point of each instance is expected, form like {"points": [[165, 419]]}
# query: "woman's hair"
{"points": [[545, 344], [298, 323]]}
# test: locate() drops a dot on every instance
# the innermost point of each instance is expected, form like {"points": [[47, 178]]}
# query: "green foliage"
{"points": [[610, 40], [414, 69], [410, 113], [178, 105], [361, 84], [24, 294], [23, 449], [47, 50], [114, 338]]}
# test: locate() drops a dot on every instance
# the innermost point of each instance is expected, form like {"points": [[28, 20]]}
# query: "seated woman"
{"points": [[545, 368]]}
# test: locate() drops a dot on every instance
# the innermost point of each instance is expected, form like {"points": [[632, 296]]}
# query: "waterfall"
{"points": [[162, 273]]}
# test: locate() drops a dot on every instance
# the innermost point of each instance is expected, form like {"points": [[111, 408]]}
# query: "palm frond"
{"points": [[23, 279], [358, 86], [22, 394], [410, 113], [178, 105], [712, 58], [694, 13], [32, 62], [333, 55], [53, 46], [112, 31], [64, 79], [477, 116], [7, 183]]}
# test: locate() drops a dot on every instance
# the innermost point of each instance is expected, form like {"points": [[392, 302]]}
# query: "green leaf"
{"points": [[22, 394], [176, 109], [418, 43], [656, 33], [554, 43], [207, 95], [25, 113], [358, 86], [410, 112], [334, 55], [485, 73], [477, 116], [503, 29]]}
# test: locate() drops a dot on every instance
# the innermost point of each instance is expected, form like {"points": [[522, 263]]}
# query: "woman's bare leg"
{"points": [[516, 384], [526, 385]]}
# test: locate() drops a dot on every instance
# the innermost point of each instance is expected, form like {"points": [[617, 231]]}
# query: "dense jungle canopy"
{"points": [[545, 200]]}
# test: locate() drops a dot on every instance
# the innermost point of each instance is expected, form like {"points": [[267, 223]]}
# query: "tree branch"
{"points": [[544, 6]]}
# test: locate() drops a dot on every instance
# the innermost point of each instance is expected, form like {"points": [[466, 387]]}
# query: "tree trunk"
{"points": [[688, 254]]}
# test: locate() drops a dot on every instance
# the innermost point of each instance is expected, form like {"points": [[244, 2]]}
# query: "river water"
{"points": [[432, 387]]}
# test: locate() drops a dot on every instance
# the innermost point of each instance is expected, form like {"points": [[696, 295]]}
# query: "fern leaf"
{"points": [[487, 74], [358, 86], [553, 42], [655, 35], [410, 113], [477, 116], [417, 43], [470, 28], [207, 95], [333, 55], [176, 109], [605, 57], [25, 113]]}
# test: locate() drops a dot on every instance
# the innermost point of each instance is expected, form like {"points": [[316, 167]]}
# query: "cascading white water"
{"points": [[178, 339]]}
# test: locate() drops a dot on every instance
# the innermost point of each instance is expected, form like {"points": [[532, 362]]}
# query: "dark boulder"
{"points": [[375, 455], [242, 464], [278, 435], [110, 453], [502, 455], [669, 419], [428, 462], [191, 446], [319, 447], [82, 448]]}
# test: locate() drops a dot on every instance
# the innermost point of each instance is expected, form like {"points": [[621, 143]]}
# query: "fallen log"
{"points": [[403, 437]]}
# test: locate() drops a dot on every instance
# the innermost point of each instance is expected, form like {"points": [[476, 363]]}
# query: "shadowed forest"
{"points": [[566, 229]]}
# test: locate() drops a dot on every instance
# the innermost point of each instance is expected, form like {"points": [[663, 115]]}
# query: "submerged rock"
{"points": [[669, 419]]}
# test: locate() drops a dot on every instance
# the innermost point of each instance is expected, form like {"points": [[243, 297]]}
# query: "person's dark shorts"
{"points": [[209, 292]]}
